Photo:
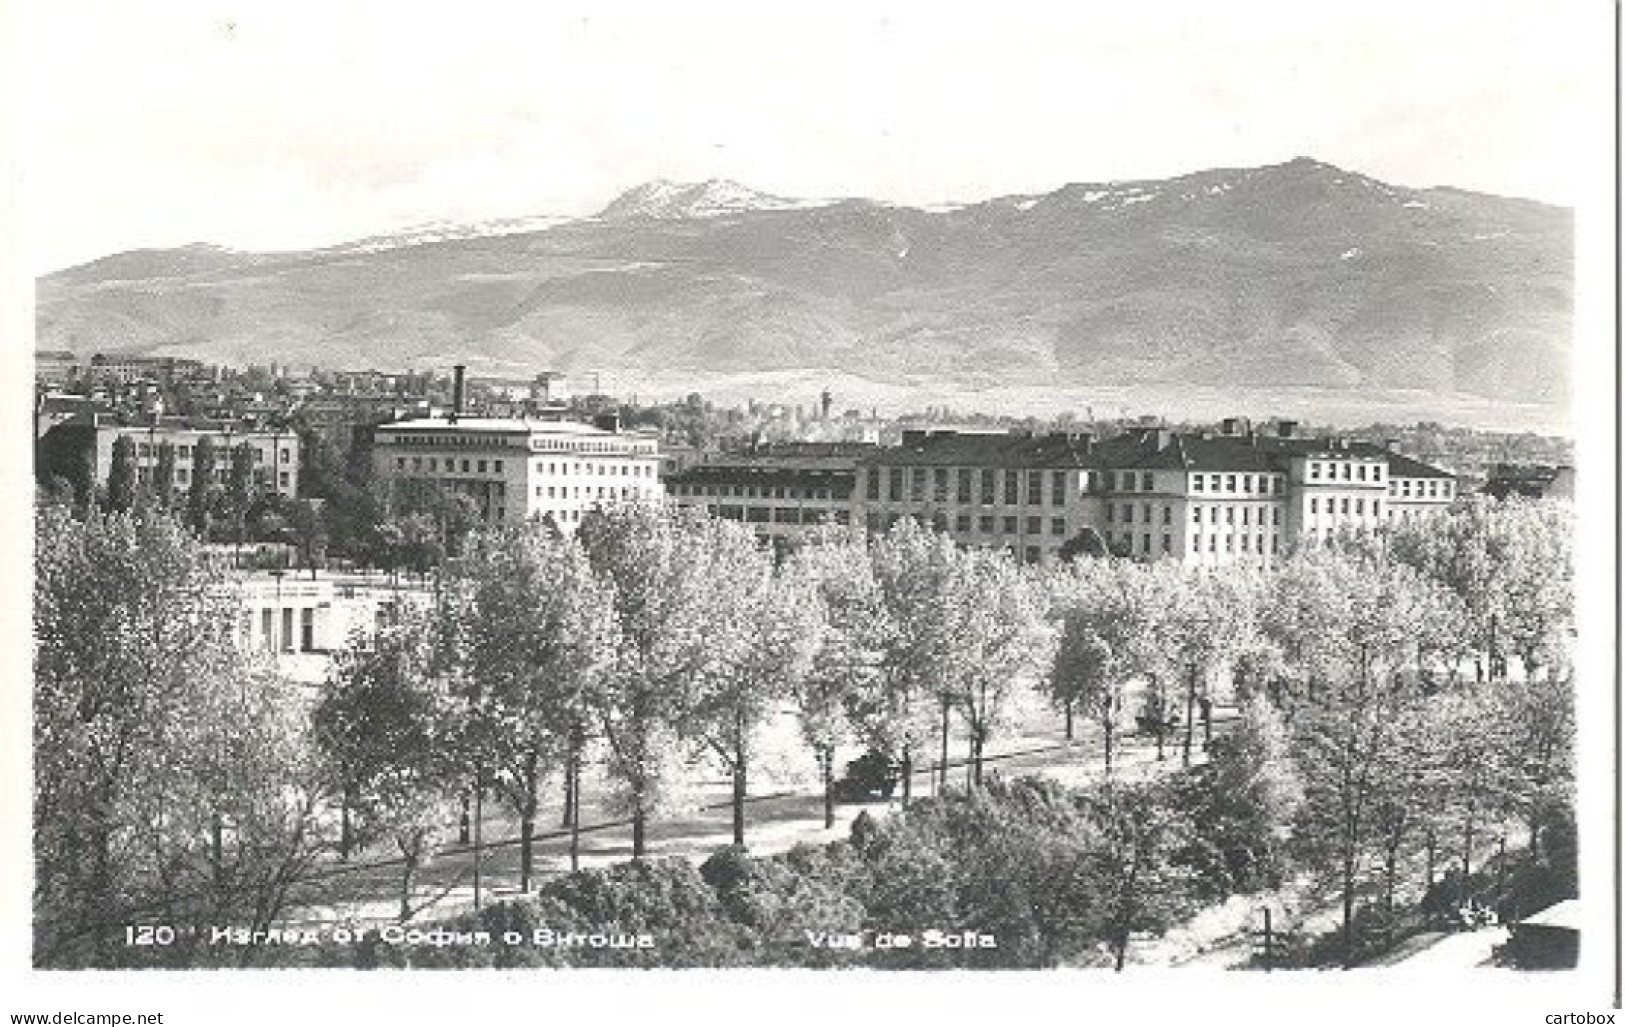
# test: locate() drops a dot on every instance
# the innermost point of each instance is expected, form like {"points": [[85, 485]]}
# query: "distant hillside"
{"points": [[1298, 275]]}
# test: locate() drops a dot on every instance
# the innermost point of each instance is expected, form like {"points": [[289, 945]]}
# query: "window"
{"points": [[1314, 505], [1196, 483], [1146, 483], [1196, 514], [1109, 481], [916, 484], [1348, 472], [1230, 483], [282, 479], [267, 630], [287, 629], [1167, 543], [497, 466], [962, 524], [1213, 543], [1032, 554], [1245, 512], [1057, 526], [1275, 517], [1057, 488], [895, 491], [871, 483], [1035, 525], [1035, 488], [1246, 543], [1167, 515], [1012, 488], [1196, 543], [1376, 508], [1111, 513], [1012, 525], [1314, 472], [1360, 473], [939, 485], [1246, 483], [963, 477], [1229, 515], [1359, 507], [1145, 543], [1128, 513], [465, 466], [984, 524], [307, 630], [1345, 506], [987, 486]]}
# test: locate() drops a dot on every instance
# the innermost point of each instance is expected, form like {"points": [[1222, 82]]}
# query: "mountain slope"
{"points": [[1293, 275]]}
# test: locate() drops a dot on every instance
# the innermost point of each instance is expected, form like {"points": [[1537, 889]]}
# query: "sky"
{"points": [[286, 124]]}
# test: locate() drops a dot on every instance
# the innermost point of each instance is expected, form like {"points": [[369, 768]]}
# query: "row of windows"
{"points": [[447, 463], [1340, 505], [751, 491], [1426, 488], [544, 443], [1350, 471], [986, 486], [592, 492], [1263, 484], [599, 469], [184, 477], [1248, 543], [149, 451], [1264, 514], [782, 515]]}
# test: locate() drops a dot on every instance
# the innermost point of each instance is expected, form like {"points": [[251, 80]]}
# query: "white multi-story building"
{"points": [[517, 469], [1233, 495]]}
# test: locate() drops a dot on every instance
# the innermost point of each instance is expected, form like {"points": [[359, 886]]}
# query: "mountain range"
{"points": [[1295, 276]]}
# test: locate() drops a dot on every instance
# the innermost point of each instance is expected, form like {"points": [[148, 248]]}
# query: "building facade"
{"points": [[84, 445], [780, 490], [515, 469], [1226, 496]]}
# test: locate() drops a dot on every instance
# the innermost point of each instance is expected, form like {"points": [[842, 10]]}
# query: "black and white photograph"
{"points": [[783, 498]]}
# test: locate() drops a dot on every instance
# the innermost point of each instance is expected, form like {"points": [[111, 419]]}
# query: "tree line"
{"points": [[658, 637]]}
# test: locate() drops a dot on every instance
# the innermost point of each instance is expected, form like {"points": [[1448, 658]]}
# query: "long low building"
{"points": [[778, 489], [1214, 497]]}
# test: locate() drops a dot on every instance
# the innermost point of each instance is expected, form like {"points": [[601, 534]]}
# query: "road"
{"points": [[368, 892]]}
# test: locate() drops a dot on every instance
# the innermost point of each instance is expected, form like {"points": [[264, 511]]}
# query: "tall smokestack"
{"points": [[457, 391]]}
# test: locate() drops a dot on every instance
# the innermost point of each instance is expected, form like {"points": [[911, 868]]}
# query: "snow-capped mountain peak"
{"points": [[714, 197]]}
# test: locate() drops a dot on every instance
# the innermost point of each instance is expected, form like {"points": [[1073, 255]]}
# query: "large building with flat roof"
{"points": [[517, 469]]}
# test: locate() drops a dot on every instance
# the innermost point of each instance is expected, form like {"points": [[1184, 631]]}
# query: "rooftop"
{"points": [[496, 425]]}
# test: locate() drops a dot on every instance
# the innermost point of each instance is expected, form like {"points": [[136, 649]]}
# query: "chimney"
{"points": [[457, 391], [612, 423], [1164, 438], [1286, 429]]}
